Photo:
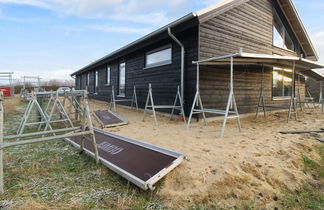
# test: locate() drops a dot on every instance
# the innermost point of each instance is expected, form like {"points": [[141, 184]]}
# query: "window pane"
{"points": [[277, 38], [278, 31], [289, 44], [277, 84], [282, 83], [281, 37], [122, 79], [108, 76], [159, 58], [96, 82]]}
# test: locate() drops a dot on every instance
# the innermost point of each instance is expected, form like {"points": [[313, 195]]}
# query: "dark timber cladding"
{"points": [[248, 26], [164, 79]]}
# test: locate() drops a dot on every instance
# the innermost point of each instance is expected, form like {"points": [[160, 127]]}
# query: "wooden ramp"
{"points": [[141, 163], [108, 119]]}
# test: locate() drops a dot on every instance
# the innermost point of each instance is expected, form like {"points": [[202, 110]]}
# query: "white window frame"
{"points": [[283, 97], [162, 63], [88, 80], [96, 82], [119, 79], [108, 78]]}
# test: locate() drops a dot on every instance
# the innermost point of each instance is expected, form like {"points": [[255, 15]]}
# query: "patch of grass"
{"points": [[311, 194], [10, 105], [54, 175]]}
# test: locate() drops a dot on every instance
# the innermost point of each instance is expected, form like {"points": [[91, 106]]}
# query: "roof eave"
{"points": [[292, 5]]}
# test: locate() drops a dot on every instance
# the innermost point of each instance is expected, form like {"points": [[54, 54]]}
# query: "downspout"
{"points": [[182, 61]]}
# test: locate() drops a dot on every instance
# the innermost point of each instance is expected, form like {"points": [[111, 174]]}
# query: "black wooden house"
{"points": [[267, 27]]}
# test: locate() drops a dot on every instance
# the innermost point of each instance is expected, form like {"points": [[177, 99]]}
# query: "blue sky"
{"points": [[53, 38]]}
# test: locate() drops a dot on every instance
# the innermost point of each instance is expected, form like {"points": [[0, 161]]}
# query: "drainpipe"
{"points": [[182, 61]]}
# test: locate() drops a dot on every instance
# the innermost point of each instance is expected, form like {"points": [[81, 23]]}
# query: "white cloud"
{"points": [[155, 12], [121, 29], [318, 40], [35, 3], [210, 2]]}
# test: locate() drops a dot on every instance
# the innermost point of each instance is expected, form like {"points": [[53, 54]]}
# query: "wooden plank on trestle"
{"points": [[108, 119], [303, 131]]}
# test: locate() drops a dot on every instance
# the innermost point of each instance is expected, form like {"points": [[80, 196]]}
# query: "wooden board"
{"points": [[108, 119], [141, 163]]}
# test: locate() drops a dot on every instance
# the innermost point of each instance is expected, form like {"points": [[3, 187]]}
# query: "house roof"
{"points": [[203, 15]]}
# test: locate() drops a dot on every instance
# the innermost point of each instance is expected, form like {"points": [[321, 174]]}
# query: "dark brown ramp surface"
{"points": [[137, 160], [108, 118]]}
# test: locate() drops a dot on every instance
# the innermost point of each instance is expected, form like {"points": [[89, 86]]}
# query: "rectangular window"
{"points": [[88, 80], [122, 80], [108, 76], [281, 37], [281, 83], [159, 57], [96, 82]]}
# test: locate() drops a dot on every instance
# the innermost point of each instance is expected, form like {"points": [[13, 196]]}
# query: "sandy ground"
{"points": [[255, 164]]}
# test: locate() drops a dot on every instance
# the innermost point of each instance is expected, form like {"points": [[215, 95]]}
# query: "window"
{"points": [[122, 80], [88, 80], [80, 84], [281, 83], [281, 37], [108, 76], [96, 82], [161, 56]]}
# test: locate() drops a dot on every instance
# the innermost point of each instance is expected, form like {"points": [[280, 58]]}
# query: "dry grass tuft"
{"points": [[32, 205], [10, 105]]}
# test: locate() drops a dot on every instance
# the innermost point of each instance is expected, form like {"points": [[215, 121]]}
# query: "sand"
{"points": [[256, 164]]}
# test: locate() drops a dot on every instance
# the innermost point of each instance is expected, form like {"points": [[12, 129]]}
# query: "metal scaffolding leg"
{"points": [[85, 130], [292, 106], [153, 107], [261, 103], [134, 99], [230, 103], [150, 99], [299, 101], [33, 103], [178, 98], [113, 100]]}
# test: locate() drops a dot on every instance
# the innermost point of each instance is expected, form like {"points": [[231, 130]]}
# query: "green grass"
{"points": [[54, 175], [311, 195]]}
